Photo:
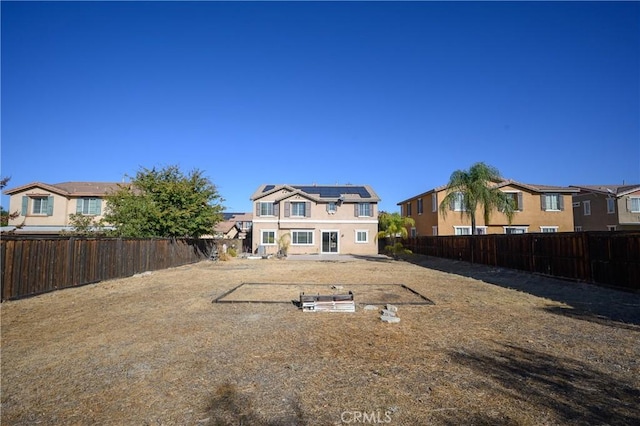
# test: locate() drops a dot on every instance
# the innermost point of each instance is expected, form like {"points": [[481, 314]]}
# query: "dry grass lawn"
{"points": [[497, 348]]}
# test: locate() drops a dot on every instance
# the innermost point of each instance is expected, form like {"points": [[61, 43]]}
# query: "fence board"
{"points": [[606, 258], [35, 265]]}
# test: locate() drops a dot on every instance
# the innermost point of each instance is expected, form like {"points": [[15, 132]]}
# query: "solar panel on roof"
{"points": [[334, 191], [268, 188]]}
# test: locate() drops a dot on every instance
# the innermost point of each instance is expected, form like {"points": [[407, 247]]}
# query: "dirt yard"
{"points": [[497, 347]]}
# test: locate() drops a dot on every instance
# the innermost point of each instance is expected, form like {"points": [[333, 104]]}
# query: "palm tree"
{"points": [[476, 188], [393, 225]]}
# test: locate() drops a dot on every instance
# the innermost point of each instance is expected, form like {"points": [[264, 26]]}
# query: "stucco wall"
{"points": [[531, 216], [344, 222]]}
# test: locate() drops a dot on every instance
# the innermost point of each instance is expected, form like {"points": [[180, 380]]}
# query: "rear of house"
{"points": [[607, 208], [315, 219], [539, 208], [45, 208]]}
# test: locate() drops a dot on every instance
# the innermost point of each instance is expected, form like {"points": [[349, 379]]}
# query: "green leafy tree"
{"points": [[392, 226], [476, 189], [5, 216], [83, 225], [164, 203]]}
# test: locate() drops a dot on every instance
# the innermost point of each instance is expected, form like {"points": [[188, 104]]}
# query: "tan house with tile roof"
{"points": [[539, 208], [45, 208], [607, 208], [315, 219]]}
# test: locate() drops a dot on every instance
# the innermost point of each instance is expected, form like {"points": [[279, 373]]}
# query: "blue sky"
{"points": [[396, 95]]}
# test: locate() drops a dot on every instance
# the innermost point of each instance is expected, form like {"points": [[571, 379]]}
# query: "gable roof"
{"points": [[70, 189], [224, 226], [617, 190], [507, 182], [321, 193]]}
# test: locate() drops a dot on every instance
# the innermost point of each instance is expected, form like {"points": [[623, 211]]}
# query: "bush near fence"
{"points": [[605, 258], [35, 265]]}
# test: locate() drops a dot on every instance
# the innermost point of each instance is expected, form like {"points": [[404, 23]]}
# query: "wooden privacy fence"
{"points": [[606, 258], [32, 265]]}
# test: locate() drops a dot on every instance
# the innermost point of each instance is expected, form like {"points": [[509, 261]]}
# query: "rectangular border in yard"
{"points": [[422, 300]]}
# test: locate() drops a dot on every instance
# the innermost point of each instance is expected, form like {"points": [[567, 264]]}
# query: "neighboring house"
{"points": [[226, 230], [539, 208], [320, 219], [243, 221], [607, 208], [45, 208]]}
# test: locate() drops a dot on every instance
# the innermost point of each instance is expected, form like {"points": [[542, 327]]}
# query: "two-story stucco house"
{"points": [[607, 208], [315, 219], [45, 208], [539, 208]]}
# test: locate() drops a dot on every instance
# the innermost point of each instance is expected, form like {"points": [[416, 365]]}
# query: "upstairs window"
{"points": [[298, 209], [420, 207], [457, 203], [332, 208], [611, 205], [266, 209], [89, 206], [39, 205], [409, 208], [517, 200], [551, 202], [364, 210], [586, 205], [634, 204], [434, 202]]}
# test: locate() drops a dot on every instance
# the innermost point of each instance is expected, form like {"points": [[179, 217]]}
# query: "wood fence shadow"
{"points": [[588, 302], [573, 390]]}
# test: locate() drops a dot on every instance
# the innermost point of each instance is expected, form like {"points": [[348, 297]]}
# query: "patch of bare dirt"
{"points": [[497, 347]]}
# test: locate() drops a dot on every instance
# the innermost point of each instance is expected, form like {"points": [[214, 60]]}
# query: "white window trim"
{"points": [[612, 227], [304, 208], [482, 227], [459, 198], [455, 230], [414, 232], [586, 208], [434, 202], [557, 196], [631, 204], [524, 228], [611, 205], [273, 208], [44, 200], [370, 209], [309, 231], [275, 237], [337, 231], [542, 228], [577, 228], [518, 207], [366, 233], [434, 230]]}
